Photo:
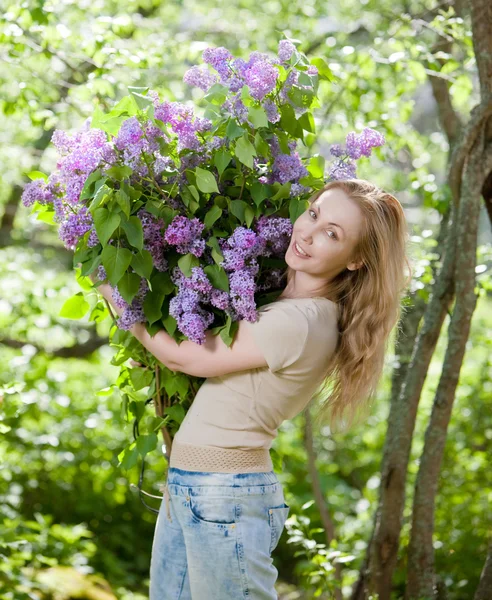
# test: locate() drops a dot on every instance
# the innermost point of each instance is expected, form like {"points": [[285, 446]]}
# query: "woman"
{"points": [[225, 508]]}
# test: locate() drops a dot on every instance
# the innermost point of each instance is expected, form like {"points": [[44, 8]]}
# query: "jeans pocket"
{"points": [[212, 510], [277, 515]]}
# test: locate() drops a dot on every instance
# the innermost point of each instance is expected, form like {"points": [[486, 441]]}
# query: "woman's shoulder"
{"points": [[313, 308]]}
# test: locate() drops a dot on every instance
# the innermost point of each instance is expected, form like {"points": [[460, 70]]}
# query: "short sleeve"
{"points": [[281, 332]]}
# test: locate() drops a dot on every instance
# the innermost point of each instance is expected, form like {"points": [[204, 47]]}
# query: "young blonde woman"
{"points": [[225, 508]]}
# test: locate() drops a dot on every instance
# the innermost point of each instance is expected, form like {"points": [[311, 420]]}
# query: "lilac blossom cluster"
{"points": [[192, 305], [160, 150], [356, 146], [132, 313], [259, 73]]}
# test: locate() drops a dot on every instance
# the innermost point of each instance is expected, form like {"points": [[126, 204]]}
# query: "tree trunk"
{"points": [[421, 573]]}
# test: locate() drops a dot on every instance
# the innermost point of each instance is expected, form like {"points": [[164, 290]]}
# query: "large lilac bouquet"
{"points": [[188, 216]]}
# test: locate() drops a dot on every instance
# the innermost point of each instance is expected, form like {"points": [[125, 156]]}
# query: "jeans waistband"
{"points": [[202, 478]]}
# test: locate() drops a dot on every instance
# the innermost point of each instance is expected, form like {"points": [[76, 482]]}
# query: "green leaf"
{"points": [[261, 146], [142, 263], [296, 208], [87, 191], [258, 116], [212, 215], [116, 261], [245, 151], [206, 181], [100, 197], [306, 121], [216, 94], [119, 172], [238, 208], [146, 443], [283, 191], [138, 95], [176, 411], [37, 175], [233, 130], [216, 252], [129, 285], [123, 201], [187, 262], [288, 120], [249, 215], [228, 332], [128, 458], [161, 285], [105, 222], [75, 307], [47, 216], [324, 70], [221, 159], [317, 166], [140, 377], [134, 232], [217, 276], [259, 192]]}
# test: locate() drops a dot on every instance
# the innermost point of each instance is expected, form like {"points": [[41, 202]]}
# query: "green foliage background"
{"points": [[63, 500]]}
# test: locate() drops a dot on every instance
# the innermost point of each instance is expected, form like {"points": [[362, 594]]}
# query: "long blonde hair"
{"points": [[369, 302]]}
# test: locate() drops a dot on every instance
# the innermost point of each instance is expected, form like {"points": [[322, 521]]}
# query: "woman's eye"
{"points": [[334, 236]]}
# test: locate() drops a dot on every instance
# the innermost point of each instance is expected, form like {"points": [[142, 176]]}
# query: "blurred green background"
{"points": [[70, 521]]}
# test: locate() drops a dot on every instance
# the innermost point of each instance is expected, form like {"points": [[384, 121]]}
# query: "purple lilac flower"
{"points": [[184, 234], [298, 190], [154, 240], [200, 77], [194, 325], [336, 150], [288, 167], [218, 58], [220, 299], [93, 239], [261, 78], [342, 170], [130, 133], [271, 111], [101, 273], [215, 143], [242, 294], [362, 144], [37, 191], [292, 79], [132, 313], [198, 282], [75, 227], [163, 163], [240, 250], [192, 320], [312, 70], [276, 232], [182, 122], [285, 50], [236, 107]]}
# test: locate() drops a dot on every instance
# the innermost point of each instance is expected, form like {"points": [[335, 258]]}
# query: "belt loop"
{"points": [[166, 496]]}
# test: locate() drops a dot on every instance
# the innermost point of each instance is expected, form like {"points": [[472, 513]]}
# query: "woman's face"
{"points": [[328, 232]]}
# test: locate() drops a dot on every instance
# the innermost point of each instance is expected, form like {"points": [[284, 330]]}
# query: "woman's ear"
{"points": [[353, 266]]}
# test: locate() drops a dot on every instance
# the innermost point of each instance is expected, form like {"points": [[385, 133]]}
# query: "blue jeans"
{"points": [[215, 539]]}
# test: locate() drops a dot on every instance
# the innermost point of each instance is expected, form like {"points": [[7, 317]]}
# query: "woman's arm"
{"points": [[162, 345], [212, 359]]}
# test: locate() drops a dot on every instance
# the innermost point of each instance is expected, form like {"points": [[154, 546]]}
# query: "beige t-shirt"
{"points": [[243, 410]]}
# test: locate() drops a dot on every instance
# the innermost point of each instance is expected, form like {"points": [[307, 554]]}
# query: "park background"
{"points": [[70, 524]]}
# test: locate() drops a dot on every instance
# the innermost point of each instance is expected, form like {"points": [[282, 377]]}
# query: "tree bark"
{"points": [[485, 583], [421, 577]]}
